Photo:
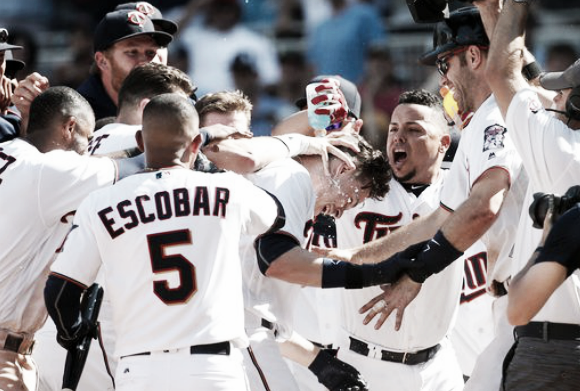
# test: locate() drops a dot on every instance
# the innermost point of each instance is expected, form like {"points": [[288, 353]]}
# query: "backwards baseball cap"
{"points": [[4, 45], [463, 28], [119, 25], [153, 13], [569, 78], [348, 89]]}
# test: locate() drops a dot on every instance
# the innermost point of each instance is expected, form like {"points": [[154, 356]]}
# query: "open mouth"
{"points": [[399, 158]]}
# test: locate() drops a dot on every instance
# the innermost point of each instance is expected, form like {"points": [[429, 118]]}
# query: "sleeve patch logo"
{"points": [[534, 105], [493, 137]]}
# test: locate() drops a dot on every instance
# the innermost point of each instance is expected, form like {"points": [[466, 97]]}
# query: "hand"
{"points": [[219, 132], [548, 220], [335, 374], [395, 296], [324, 145], [7, 87], [28, 89], [330, 100]]}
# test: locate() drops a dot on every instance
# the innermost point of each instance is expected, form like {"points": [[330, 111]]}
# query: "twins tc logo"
{"points": [[145, 8], [136, 18]]}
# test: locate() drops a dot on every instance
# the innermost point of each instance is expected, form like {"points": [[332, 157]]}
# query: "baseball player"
{"points": [[304, 190], [552, 332], [43, 179], [167, 239], [482, 195], [418, 355]]}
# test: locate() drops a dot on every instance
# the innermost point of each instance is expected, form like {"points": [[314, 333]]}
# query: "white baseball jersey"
{"points": [[551, 155], [115, 137], [486, 144], [40, 193], [270, 298], [168, 243], [428, 318], [439, 296]]}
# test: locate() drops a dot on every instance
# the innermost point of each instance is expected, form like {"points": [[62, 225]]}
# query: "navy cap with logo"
{"points": [[463, 28], [348, 89], [119, 25], [4, 45], [153, 13]]}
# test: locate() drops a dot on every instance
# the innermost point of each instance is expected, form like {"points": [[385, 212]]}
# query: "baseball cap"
{"points": [[348, 89], [153, 13], [463, 28], [4, 45], [119, 25], [569, 78]]}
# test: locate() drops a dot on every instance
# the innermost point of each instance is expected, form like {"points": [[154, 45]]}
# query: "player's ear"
{"points": [[68, 128], [444, 143], [101, 61], [142, 104], [139, 139]]}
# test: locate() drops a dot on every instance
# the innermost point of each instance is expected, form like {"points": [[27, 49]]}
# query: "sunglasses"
{"points": [[443, 62]]}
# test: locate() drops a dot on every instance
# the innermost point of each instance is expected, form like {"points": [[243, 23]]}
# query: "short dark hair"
{"points": [[57, 104], [424, 98], [372, 168], [152, 79]]}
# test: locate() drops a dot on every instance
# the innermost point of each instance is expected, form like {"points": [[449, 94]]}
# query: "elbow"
{"points": [[485, 217]]}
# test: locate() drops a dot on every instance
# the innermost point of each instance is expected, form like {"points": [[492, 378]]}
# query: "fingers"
{"points": [[339, 154], [399, 318], [344, 140], [28, 89]]}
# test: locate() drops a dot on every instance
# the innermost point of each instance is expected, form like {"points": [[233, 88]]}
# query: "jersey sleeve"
{"points": [[456, 188], [546, 145], [262, 210], [66, 178], [79, 258]]}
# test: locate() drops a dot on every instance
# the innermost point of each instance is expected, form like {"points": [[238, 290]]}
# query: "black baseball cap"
{"points": [[123, 24], [4, 45], [348, 89], [463, 28], [569, 78], [153, 13]]}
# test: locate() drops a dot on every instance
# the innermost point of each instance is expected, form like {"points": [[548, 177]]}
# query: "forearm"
{"points": [[299, 350], [477, 214], [489, 11], [418, 230]]}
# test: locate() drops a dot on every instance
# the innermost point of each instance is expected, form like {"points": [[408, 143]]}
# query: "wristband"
{"points": [[297, 144], [531, 71], [437, 255]]}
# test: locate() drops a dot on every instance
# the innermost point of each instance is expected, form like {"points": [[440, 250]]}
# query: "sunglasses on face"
{"points": [[443, 62]]}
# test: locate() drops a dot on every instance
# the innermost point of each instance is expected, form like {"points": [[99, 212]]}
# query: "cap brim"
{"points": [[165, 25], [7, 46], [429, 58], [13, 66], [162, 38], [554, 81]]}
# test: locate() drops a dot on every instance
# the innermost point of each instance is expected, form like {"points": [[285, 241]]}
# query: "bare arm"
{"points": [[474, 217], [297, 266], [506, 54], [378, 250]]}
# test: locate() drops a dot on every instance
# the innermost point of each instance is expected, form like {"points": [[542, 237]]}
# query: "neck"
{"points": [[108, 85], [42, 143], [130, 117]]}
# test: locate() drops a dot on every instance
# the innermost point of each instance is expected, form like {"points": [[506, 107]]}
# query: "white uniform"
{"points": [[268, 298], [486, 144], [551, 155], [40, 193], [427, 319], [115, 137], [48, 354], [168, 244]]}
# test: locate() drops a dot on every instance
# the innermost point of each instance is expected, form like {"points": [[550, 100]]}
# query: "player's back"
{"points": [[39, 193], [168, 242]]}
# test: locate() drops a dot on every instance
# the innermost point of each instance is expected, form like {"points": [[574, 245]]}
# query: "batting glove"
{"points": [[335, 374]]}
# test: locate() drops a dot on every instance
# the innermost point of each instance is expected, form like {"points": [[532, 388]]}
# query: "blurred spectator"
{"points": [[10, 121], [380, 90], [268, 110], [213, 36], [560, 56], [29, 53], [81, 49], [339, 45], [295, 76]]}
